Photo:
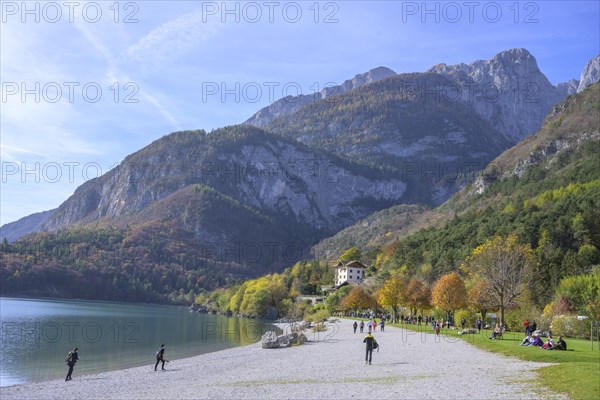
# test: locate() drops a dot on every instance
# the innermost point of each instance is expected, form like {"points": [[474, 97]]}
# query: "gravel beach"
{"points": [[408, 365]]}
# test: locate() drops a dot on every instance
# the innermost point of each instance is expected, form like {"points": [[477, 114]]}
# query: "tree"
{"points": [[332, 301], [357, 299], [449, 293], [480, 298], [417, 295], [390, 295], [352, 254], [505, 265]]}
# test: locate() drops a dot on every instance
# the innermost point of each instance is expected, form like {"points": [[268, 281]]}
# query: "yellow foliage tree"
{"points": [[390, 295], [505, 265], [449, 293]]}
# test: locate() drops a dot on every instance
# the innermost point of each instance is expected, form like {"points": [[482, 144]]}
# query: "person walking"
{"points": [[72, 358], [371, 344], [370, 325], [478, 325], [463, 323], [160, 356], [382, 324], [355, 326], [362, 326]]}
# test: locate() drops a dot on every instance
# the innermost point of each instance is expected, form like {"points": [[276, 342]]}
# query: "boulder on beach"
{"points": [[269, 340]]}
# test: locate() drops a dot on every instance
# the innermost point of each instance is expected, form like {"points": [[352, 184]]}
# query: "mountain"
{"points": [[31, 223], [194, 211], [258, 169], [290, 104], [395, 123], [565, 89], [590, 74], [545, 189], [509, 90]]}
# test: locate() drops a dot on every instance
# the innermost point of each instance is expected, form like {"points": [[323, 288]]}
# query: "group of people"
{"points": [[73, 357], [535, 340], [371, 325]]}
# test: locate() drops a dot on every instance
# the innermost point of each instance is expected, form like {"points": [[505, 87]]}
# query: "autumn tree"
{"points": [[417, 295], [357, 299], [480, 298], [390, 295], [449, 293], [505, 265], [352, 254]]}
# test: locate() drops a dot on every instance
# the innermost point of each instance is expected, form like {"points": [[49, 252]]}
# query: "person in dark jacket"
{"points": [[72, 358], [160, 356], [560, 344], [355, 326], [371, 344]]}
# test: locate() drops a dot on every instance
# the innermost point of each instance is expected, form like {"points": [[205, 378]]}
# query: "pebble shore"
{"points": [[331, 365]]}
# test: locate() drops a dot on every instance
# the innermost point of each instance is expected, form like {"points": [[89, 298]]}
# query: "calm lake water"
{"points": [[36, 335]]}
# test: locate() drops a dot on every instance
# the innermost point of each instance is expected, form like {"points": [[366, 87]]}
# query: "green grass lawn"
{"points": [[576, 374]]}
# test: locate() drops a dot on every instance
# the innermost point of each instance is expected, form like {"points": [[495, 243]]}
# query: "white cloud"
{"points": [[172, 39]]}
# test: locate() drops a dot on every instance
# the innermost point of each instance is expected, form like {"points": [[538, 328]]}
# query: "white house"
{"points": [[352, 272]]}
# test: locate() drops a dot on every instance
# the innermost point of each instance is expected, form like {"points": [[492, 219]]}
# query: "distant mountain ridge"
{"points": [[31, 223], [290, 104]]}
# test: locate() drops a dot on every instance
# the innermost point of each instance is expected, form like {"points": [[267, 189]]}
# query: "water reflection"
{"points": [[36, 335]]}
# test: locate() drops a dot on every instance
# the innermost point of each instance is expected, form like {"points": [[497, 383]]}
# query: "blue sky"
{"points": [[86, 83]]}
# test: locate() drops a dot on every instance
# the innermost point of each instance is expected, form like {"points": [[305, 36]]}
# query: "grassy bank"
{"points": [[576, 374]]}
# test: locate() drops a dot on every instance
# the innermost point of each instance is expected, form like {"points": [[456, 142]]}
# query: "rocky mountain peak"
{"points": [[290, 104], [374, 75], [590, 74], [508, 90], [567, 88]]}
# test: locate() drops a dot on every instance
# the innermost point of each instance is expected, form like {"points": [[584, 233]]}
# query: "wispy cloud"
{"points": [[172, 39]]}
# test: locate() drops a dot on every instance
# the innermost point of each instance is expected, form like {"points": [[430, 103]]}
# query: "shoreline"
{"points": [[331, 364]]}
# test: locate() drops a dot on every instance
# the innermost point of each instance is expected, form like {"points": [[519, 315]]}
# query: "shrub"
{"points": [[469, 315], [570, 326], [318, 316], [514, 318]]}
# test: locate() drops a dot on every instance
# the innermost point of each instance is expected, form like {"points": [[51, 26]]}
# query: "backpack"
{"points": [[69, 358], [158, 352]]}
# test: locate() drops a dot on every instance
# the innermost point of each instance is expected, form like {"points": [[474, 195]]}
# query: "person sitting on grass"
{"points": [[497, 331], [549, 344], [537, 341], [560, 344], [527, 340]]}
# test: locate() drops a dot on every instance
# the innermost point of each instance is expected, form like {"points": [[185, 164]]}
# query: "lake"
{"points": [[36, 335]]}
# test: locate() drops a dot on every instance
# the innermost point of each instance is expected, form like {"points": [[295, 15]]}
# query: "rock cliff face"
{"points": [[509, 91], [264, 172], [590, 74], [565, 89], [290, 104], [403, 124]]}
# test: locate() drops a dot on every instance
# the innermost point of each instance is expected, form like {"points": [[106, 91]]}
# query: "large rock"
{"points": [[270, 340]]}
